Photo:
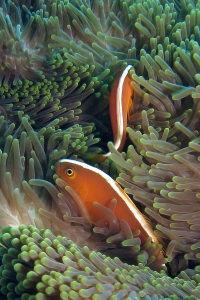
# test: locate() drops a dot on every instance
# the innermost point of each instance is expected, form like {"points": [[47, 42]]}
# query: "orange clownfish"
{"points": [[93, 185], [120, 105]]}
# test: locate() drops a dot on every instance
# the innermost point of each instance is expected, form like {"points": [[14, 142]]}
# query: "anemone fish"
{"points": [[119, 106], [94, 186]]}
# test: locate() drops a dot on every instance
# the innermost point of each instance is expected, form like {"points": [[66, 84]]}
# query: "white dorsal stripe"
{"points": [[119, 107]]}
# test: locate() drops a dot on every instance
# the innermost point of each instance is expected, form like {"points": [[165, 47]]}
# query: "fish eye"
{"points": [[70, 172]]}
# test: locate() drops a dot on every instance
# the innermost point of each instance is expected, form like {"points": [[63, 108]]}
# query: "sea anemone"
{"points": [[39, 80], [164, 179], [58, 60], [36, 264]]}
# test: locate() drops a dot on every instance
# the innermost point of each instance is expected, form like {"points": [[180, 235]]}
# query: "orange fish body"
{"points": [[93, 185]]}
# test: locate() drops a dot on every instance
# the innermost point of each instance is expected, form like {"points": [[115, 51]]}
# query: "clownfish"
{"points": [[119, 107], [93, 185]]}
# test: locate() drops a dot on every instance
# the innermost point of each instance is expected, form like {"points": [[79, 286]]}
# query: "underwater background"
{"points": [[58, 61]]}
